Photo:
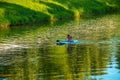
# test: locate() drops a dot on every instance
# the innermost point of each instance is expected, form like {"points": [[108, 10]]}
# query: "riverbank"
{"points": [[20, 12]]}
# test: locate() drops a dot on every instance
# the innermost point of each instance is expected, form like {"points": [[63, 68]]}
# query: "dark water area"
{"points": [[31, 53]]}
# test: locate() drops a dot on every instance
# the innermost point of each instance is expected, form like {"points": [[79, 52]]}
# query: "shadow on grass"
{"points": [[58, 11], [91, 8], [18, 15]]}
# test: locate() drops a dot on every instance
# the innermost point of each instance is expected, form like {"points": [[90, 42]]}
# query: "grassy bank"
{"points": [[18, 12]]}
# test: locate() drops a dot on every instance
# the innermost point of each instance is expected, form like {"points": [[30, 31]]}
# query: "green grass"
{"points": [[20, 12]]}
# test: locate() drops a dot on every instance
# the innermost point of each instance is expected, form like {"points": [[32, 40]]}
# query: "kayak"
{"points": [[3, 79], [62, 42]]}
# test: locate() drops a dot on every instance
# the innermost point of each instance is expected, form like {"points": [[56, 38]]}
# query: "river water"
{"points": [[31, 53]]}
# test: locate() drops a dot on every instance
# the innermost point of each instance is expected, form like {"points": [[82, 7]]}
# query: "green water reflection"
{"points": [[32, 54]]}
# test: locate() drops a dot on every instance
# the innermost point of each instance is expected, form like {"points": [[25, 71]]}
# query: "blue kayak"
{"points": [[62, 42]]}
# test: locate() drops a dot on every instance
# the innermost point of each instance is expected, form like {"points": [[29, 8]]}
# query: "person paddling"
{"points": [[69, 37]]}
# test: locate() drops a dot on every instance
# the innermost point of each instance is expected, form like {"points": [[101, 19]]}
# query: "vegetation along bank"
{"points": [[20, 12]]}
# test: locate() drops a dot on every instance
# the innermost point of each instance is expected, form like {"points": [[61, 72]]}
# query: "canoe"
{"points": [[62, 42]]}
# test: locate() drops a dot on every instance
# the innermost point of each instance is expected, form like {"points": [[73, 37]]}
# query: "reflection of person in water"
{"points": [[69, 48], [69, 37]]}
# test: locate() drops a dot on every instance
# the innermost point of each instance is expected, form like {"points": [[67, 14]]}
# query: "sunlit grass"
{"points": [[29, 4], [19, 12]]}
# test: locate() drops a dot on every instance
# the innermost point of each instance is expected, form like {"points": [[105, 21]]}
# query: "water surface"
{"points": [[31, 53]]}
